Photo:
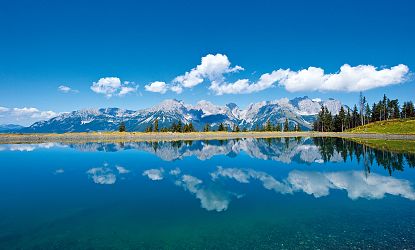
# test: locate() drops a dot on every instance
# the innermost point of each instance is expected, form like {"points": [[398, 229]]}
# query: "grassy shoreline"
{"points": [[393, 126], [168, 136]]}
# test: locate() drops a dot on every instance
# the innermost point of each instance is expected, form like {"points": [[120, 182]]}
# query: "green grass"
{"points": [[395, 126]]}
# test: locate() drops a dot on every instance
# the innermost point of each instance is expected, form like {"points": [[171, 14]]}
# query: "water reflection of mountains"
{"points": [[286, 150]]}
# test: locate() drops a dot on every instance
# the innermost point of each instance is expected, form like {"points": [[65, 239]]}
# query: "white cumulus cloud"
{"points": [[212, 67], [67, 89], [110, 86], [157, 87], [244, 86], [349, 79], [24, 116]]}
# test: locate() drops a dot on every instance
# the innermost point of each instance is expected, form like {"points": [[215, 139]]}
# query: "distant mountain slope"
{"points": [[7, 128], [300, 111]]}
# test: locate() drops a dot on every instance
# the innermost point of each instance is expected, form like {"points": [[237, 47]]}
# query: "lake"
{"points": [[248, 193]]}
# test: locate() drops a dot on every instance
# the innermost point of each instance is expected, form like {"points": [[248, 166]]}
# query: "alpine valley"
{"points": [[301, 111]]}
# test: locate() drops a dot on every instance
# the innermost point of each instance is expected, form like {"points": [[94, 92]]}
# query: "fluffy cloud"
{"points": [[157, 87], [244, 86], [212, 67], [349, 79], [24, 116], [67, 89], [126, 90], [110, 86], [177, 89], [4, 109]]}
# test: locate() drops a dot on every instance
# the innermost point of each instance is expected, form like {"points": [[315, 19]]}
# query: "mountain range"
{"points": [[301, 111]]}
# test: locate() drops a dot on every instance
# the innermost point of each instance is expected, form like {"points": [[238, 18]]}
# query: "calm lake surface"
{"points": [[234, 194]]}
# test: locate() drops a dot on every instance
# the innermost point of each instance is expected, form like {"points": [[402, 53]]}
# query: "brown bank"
{"points": [[169, 136]]}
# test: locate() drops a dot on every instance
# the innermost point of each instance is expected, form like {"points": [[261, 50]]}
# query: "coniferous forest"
{"points": [[362, 114]]}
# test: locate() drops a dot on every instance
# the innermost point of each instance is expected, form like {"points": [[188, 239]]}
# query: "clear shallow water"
{"points": [[264, 194]]}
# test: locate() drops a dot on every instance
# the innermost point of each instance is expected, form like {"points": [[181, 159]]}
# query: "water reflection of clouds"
{"points": [[244, 176], [154, 174], [355, 183], [212, 198], [29, 147], [106, 175]]}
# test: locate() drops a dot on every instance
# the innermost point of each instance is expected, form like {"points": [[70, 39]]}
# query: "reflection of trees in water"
{"points": [[391, 161]]}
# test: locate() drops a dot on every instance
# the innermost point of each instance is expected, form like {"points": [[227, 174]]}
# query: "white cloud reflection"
{"points": [[355, 183], [211, 199], [244, 176], [154, 174], [106, 175], [103, 176]]}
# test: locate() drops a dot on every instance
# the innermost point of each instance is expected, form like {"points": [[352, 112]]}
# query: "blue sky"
{"points": [[47, 44]]}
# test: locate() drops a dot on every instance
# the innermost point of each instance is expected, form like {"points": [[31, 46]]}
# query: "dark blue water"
{"points": [[252, 194]]}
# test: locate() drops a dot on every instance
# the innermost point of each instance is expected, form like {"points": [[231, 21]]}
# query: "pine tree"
{"points": [[384, 105], [408, 110], [362, 101], [173, 127], [179, 126], [156, 125], [221, 127], [268, 126], [355, 117], [191, 127], [121, 128], [348, 120], [342, 118], [186, 128], [149, 128], [206, 128], [367, 113], [277, 127], [286, 125]]}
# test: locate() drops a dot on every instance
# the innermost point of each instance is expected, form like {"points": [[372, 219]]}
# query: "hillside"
{"points": [[396, 126]]}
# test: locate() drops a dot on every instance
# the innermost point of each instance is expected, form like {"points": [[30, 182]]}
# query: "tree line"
{"points": [[179, 127], [385, 109]]}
